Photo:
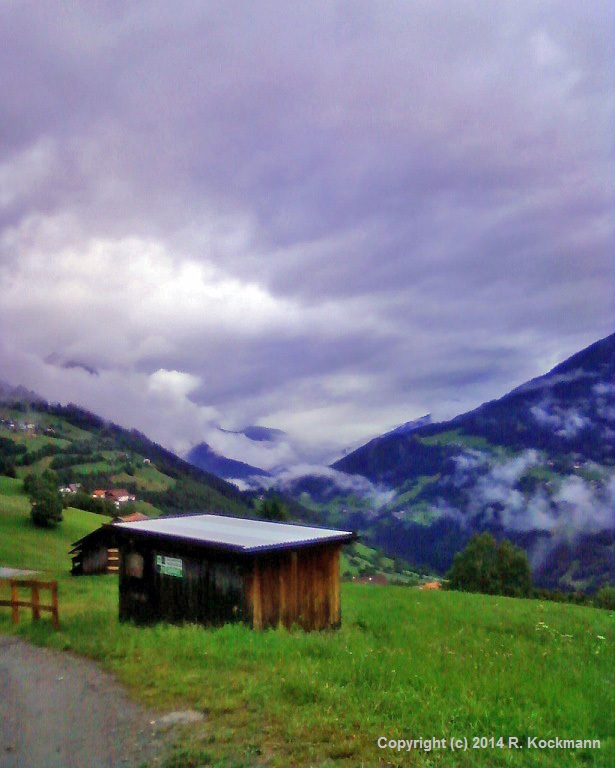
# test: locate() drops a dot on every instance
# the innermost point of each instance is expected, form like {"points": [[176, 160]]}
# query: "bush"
{"points": [[45, 498], [273, 509], [605, 598], [7, 467], [491, 567], [46, 510]]}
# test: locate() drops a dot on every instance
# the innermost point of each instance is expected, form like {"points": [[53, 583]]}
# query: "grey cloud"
{"points": [[412, 203]]}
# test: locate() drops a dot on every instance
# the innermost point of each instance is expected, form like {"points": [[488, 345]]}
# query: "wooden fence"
{"points": [[35, 586]]}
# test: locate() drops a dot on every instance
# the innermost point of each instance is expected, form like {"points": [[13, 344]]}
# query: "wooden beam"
{"points": [[257, 604], [335, 578], [15, 601], [36, 602]]}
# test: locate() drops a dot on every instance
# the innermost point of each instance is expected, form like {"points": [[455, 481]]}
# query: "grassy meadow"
{"points": [[405, 665]]}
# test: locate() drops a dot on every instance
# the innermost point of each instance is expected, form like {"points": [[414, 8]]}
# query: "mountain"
{"points": [[19, 394], [205, 458], [411, 426], [536, 466], [83, 448], [257, 434], [566, 411]]}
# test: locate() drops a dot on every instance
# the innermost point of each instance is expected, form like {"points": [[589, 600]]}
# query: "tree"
{"points": [[45, 499], [491, 567], [605, 597], [514, 573], [274, 509]]}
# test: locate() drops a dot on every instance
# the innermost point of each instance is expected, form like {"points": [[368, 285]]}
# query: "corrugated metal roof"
{"points": [[235, 533]]}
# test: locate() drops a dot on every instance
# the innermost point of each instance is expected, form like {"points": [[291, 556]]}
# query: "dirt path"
{"points": [[60, 711]]}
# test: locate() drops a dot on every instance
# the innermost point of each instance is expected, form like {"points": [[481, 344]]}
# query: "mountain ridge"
{"points": [[204, 457], [536, 465]]}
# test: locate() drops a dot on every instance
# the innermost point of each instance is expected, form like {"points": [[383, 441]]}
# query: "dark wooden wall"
{"points": [[211, 589], [211, 592], [95, 559], [286, 587]]}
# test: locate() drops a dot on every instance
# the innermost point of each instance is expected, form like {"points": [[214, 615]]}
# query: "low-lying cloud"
{"points": [[564, 507], [340, 482], [565, 422]]}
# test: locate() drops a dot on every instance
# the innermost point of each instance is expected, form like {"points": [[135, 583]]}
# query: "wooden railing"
{"points": [[35, 586]]}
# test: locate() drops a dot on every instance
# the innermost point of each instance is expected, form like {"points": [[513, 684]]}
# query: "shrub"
{"points": [[605, 598], [491, 567], [274, 509], [45, 498]]}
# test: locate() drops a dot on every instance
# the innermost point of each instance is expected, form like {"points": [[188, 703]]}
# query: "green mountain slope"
{"points": [[83, 448], [536, 466]]}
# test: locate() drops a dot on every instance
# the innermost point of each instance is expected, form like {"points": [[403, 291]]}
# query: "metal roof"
{"points": [[234, 533]]}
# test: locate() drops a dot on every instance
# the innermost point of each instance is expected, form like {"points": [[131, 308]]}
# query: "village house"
{"points": [[70, 488], [118, 496], [431, 585]]}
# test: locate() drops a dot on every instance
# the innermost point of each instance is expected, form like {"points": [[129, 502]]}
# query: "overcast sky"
{"points": [[324, 217]]}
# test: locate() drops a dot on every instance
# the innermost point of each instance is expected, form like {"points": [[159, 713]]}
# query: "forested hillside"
{"points": [[536, 466], [85, 450]]}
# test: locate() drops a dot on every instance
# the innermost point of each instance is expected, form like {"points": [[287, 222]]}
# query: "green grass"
{"points": [[146, 508], [406, 664], [544, 473], [24, 546], [146, 478], [9, 486], [66, 432], [360, 560], [411, 490], [92, 467], [457, 437]]}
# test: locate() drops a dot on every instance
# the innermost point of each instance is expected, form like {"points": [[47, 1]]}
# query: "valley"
{"points": [[405, 664], [536, 466]]}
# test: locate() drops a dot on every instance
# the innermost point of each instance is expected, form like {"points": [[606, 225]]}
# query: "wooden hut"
{"points": [[97, 552], [212, 570]]}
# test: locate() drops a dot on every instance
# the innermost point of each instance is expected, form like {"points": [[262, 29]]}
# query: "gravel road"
{"points": [[61, 711]]}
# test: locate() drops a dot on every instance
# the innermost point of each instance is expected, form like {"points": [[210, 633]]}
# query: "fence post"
{"points": [[54, 606], [36, 602], [14, 602]]}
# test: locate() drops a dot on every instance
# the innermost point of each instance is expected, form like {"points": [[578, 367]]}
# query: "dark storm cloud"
{"points": [[334, 217]]}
